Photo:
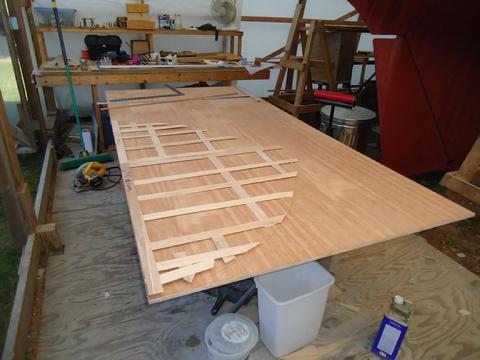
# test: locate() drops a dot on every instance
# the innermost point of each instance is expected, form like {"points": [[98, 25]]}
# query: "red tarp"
{"points": [[428, 80]]}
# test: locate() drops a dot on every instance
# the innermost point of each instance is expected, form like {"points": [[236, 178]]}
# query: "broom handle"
{"points": [[67, 70]]}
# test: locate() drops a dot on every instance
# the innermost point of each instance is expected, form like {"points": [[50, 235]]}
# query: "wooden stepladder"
{"points": [[460, 181], [328, 48]]}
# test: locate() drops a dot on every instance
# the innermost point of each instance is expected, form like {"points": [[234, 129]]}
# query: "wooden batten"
{"points": [[16, 341]]}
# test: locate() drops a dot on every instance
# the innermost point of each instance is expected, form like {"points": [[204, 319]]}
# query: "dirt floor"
{"points": [[461, 240]]}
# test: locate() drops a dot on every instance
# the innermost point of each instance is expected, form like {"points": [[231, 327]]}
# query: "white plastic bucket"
{"points": [[230, 337], [291, 303]]}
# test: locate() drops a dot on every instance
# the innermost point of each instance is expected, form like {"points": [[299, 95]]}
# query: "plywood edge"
{"points": [[147, 261], [15, 346]]}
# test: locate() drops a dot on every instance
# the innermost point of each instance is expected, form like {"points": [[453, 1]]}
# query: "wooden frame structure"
{"points": [[41, 239], [159, 273], [328, 49], [460, 181]]}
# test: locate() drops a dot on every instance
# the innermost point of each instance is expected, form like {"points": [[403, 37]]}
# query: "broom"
{"points": [[84, 155]]}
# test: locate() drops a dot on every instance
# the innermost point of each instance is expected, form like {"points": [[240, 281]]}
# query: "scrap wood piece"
{"points": [[193, 259], [211, 172], [187, 271], [215, 206], [221, 243], [180, 254], [222, 185], [229, 230], [199, 155]]}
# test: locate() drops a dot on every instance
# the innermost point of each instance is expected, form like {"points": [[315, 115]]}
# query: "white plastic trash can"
{"points": [[291, 303]]}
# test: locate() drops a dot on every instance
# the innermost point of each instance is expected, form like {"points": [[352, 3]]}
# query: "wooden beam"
{"points": [[228, 95], [456, 184], [187, 239], [179, 143], [206, 256], [51, 241], [223, 185], [212, 172], [471, 164], [169, 127], [46, 185], [198, 155], [16, 341], [27, 126], [216, 206], [162, 134], [186, 271]]}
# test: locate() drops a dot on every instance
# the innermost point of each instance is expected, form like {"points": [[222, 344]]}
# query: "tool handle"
{"points": [[347, 99], [67, 70]]}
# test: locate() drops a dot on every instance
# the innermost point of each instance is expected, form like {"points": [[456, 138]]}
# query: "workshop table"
{"points": [[173, 150], [52, 78]]}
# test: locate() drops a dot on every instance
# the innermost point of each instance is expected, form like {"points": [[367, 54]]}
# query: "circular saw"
{"points": [[89, 176]]}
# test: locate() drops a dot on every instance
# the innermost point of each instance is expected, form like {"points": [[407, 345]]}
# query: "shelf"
{"points": [[46, 29]]}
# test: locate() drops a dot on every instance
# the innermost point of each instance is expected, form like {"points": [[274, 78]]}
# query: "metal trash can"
{"points": [[350, 126]]}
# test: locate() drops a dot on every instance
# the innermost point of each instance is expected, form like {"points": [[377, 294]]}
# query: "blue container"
{"points": [[389, 338]]}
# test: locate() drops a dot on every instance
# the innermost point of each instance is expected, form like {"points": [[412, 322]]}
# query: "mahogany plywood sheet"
{"points": [[342, 200]]}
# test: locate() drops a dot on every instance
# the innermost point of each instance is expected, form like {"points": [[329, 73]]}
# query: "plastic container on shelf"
{"points": [[230, 337], [291, 303], [44, 16]]}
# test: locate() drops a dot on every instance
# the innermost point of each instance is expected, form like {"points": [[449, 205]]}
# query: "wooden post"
{"points": [[460, 181], [11, 168], [98, 115], [8, 192], [27, 64], [25, 115], [50, 238]]}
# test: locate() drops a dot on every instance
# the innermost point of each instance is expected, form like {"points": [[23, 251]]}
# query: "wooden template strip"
{"points": [[155, 142], [145, 252], [224, 185], [157, 128], [139, 125], [229, 95], [237, 189], [163, 134], [188, 278], [211, 172], [221, 243], [187, 272], [210, 255], [229, 230], [179, 143], [199, 155], [216, 206]]}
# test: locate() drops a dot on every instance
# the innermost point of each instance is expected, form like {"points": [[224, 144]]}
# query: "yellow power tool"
{"points": [[89, 176]]}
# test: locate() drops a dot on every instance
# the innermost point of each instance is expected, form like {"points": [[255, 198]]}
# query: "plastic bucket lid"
{"points": [[231, 336]]}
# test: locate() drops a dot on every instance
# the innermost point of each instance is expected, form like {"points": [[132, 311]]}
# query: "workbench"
{"points": [[49, 79], [333, 200]]}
